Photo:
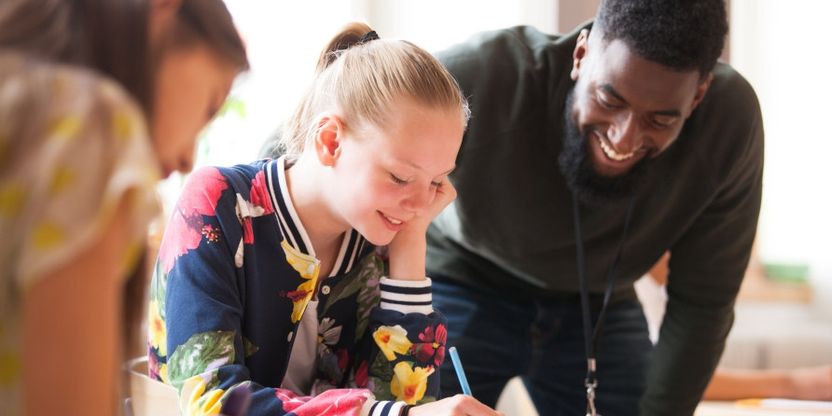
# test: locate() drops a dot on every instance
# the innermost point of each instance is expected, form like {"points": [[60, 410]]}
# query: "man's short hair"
{"points": [[680, 34]]}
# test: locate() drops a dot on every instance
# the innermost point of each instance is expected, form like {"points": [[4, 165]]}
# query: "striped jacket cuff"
{"points": [[382, 408], [406, 296]]}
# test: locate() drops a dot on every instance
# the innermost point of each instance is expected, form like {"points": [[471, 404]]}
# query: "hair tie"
{"points": [[369, 36]]}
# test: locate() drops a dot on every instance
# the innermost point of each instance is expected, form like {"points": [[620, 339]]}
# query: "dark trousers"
{"points": [[542, 341]]}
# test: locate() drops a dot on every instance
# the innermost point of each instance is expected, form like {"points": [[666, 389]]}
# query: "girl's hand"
{"points": [[407, 250], [459, 405], [445, 194]]}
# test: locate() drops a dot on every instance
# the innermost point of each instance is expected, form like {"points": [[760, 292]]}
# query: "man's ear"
{"points": [[164, 8], [701, 89], [328, 138], [162, 15], [580, 52]]}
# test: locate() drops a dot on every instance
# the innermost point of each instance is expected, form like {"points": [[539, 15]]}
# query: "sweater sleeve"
{"points": [[706, 269], [403, 345], [408, 343]]}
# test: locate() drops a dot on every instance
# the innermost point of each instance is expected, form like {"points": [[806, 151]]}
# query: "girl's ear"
{"points": [[328, 138]]}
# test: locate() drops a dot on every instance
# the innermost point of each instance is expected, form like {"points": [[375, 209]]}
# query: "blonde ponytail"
{"points": [[359, 76]]}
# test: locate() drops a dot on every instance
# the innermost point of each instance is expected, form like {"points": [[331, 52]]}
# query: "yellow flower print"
{"points": [[12, 199], [157, 331], [9, 368], [47, 235], [193, 403], [308, 268], [122, 126], [62, 179], [65, 128], [163, 373], [391, 340], [409, 383]]}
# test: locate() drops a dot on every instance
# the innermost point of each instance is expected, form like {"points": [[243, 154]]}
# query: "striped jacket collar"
{"points": [[292, 229]]}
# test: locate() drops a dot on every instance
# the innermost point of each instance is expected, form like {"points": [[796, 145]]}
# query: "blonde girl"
{"points": [[269, 277]]}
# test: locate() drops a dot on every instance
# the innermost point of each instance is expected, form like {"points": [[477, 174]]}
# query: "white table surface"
{"points": [[731, 409]]}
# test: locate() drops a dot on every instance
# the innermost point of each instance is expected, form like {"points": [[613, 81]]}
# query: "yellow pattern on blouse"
{"points": [[73, 146]]}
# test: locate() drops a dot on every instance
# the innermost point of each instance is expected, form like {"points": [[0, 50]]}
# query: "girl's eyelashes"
{"points": [[398, 180]]}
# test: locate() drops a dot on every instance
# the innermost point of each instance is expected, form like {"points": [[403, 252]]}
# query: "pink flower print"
{"points": [[259, 193], [432, 345], [184, 232], [336, 402]]}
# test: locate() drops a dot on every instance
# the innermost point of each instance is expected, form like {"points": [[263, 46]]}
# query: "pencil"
{"points": [[460, 373]]}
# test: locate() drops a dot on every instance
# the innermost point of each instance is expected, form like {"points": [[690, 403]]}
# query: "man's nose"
{"points": [[625, 134]]}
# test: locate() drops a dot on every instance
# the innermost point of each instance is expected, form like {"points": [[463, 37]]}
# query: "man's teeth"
{"points": [[393, 220], [612, 154]]}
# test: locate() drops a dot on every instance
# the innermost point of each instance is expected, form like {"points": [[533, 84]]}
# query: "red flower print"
{"points": [[248, 232], [210, 233], [362, 375], [259, 193], [184, 232], [343, 358], [432, 345], [295, 295]]}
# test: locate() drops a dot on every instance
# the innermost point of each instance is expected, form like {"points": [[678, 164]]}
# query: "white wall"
{"points": [[783, 49], [436, 24], [284, 39]]}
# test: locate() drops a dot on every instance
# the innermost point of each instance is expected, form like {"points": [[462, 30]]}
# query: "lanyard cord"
{"points": [[591, 335]]}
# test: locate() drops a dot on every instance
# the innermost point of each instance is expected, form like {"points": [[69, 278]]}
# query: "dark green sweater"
{"points": [[510, 230]]}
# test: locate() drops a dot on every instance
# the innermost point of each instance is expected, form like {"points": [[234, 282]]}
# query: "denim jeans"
{"points": [[542, 341]]}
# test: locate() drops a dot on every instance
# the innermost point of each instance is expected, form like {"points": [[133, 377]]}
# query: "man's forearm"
{"points": [[689, 348]]}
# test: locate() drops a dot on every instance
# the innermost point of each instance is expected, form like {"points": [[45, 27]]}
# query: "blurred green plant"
{"points": [[787, 272]]}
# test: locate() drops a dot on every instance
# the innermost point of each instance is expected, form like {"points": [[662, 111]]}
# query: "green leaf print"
{"points": [[382, 368], [158, 285], [381, 389], [204, 351], [348, 287], [426, 399], [371, 270], [249, 347]]}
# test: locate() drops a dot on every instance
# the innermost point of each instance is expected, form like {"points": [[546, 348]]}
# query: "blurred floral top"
{"points": [[73, 146], [235, 273]]}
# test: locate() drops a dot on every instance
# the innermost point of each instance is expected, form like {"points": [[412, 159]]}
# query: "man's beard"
{"points": [[576, 166]]}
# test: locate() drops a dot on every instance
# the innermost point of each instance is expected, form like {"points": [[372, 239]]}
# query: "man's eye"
{"points": [[663, 122], [606, 104]]}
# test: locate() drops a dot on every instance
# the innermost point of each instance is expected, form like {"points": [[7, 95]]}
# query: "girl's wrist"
{"points": [[407, 269], [407, 258]]}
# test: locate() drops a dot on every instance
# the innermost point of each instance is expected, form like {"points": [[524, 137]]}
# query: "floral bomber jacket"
{"points": [[233, 278]]}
